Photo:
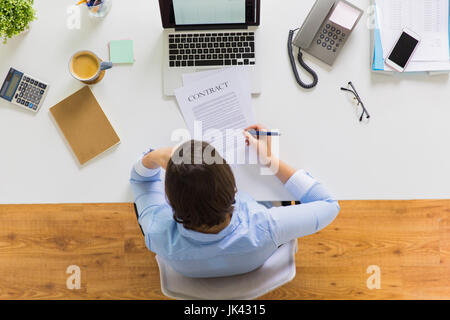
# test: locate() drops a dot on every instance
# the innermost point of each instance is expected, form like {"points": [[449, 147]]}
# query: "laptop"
{"points": [[202, 35]]}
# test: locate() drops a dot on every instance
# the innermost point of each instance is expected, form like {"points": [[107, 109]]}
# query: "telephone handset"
{"points": [[323, 34]]}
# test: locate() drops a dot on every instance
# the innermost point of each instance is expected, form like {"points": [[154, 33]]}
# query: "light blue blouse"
{"points": [[252, 236]]}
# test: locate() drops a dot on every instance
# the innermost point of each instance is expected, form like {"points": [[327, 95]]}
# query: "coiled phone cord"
{"points": [[302, 63]]}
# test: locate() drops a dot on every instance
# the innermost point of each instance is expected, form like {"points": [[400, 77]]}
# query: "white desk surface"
{"points": [[401, 154]]}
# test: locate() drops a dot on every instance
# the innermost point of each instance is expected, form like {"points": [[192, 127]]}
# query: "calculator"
{"points": [[23, 90]]}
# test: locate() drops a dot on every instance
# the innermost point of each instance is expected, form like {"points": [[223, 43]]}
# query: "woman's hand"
{"points": [[158, 158], [262, 144]]}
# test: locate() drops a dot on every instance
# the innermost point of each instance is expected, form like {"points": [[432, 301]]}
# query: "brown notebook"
{"points": [[85, 126]]}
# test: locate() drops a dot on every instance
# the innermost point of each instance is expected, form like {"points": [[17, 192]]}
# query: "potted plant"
{"points": [[15, 17]]}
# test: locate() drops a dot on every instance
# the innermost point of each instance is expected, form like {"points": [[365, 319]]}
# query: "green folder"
{"points": [[121, 51]]}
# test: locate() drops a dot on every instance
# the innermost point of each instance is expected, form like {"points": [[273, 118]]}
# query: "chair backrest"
{"points": [[275, 272]]}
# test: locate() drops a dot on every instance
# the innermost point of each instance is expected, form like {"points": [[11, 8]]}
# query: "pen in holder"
{"points": [[98, 8]]}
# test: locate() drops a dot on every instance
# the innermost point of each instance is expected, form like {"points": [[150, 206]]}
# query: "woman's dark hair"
{"points": [[200, 185]]}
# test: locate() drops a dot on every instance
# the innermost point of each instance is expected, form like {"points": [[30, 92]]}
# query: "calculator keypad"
{"points": [[30, 93], [331, 38]]}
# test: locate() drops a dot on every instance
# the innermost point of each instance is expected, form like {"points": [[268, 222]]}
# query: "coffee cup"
{"points": [[87, 67]]}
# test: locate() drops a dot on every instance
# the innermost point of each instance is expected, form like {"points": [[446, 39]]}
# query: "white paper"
{"points": [[427, 18], [420, 66], [217, 102], [242, 73]]}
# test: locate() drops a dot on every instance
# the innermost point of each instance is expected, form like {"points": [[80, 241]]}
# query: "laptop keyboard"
{"points": [[211, 49]]}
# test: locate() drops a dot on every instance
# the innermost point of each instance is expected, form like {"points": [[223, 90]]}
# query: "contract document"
{"points": [[216, 107]]}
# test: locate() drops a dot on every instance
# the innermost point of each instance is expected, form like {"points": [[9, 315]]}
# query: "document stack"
{"points": [[428, 18]]}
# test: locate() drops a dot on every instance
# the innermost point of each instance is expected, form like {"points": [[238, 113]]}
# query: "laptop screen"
{"points": [[208, 14]]}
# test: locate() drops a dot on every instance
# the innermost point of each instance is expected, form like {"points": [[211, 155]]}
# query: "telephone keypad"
{"points": [[330, 37]]}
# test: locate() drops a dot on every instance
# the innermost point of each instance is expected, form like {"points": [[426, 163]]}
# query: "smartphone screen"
{"points": [[403, 49]]}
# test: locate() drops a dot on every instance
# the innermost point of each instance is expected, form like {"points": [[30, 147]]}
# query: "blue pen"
{"points": [[264, 133]]}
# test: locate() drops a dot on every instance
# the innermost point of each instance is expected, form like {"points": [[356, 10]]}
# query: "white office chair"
{"points": [[275, 272]]}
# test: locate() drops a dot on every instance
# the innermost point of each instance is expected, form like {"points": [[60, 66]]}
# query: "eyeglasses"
{"points": [[355, 97]]}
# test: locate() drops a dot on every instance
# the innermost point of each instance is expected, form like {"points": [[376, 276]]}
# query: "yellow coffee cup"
{"points": [[87, 67]]}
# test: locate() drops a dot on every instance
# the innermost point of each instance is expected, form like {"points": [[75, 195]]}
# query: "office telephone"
{"points": [[323, 34]]}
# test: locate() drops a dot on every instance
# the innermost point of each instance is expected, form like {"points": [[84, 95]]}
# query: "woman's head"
{"points": [[200, 185]]}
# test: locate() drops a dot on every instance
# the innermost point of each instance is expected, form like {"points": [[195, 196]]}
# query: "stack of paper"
{"points": [[428, 18], [216, 106]]}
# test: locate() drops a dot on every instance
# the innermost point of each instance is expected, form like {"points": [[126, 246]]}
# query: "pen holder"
{"points": [[101, 9]]}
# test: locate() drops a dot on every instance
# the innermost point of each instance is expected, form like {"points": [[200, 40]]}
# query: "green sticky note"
{"points": [[121, 51]]}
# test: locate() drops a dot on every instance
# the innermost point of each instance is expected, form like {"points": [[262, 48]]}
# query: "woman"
{"points": [[203, 226]]}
